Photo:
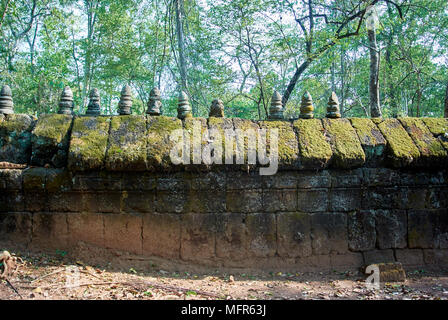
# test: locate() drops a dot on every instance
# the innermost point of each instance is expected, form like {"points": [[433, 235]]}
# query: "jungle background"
{"points": [[239, 51]]}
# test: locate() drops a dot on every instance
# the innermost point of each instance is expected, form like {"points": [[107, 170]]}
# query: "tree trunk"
{"points": [[181, 44], [446, 101], [374, 89]]}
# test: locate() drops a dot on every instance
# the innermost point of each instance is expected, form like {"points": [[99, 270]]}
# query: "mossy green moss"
{"points": [[34, 179], [220, 124], [246, 127], [158, 141], [288, 148], [371, 139], [189, 123], [429, 147], [401, 149], [15, 138], [347, 149], [52, 128], [127, 144], [439, 128], [315, 151], [88, 143]]}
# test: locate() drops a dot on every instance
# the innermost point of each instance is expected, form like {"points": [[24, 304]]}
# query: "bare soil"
{"points": [[51, 277]]}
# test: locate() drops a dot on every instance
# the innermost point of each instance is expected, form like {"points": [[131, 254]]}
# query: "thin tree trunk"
{"points": [[446, 101], [342, 101], [374, 89], [181, 44]]}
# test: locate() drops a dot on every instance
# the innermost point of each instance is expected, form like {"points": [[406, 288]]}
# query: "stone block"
{"points": [[58, 180], [261, 230], [279, 200], [123, 232], [315, 200], [314, 150], [244, 202], [435, 257], [232, 236], [372, 141], [312, 179], [361, 230], [438, 127], [401, 150], [344, 200], [280, 180], [11, 179], [171, 201], [205, 201], [237, 180], [293, 234], [352, 260], [378, 256], [422, 228], [161, 235], [15, 227], [50, 140], [126, 150], [138, 181], [15, 138], [87, 228], [346, 178], [410, 257], [66, 202], [381, 177], [50, 231], [138, 202], [198, 237], [329, 233], [391, 228], [347, 149], [88, 143]]}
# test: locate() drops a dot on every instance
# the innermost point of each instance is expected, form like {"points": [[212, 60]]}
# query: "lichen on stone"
{"points": [[189, 124], [158, 141], [288, 149], [50, 139], [88, 143], [347, 149], [15, 138], [315, 151], [439, 128], [371, 139], [401, 149], [126, 150], [221, 125], [246, 127], [430, 148]]}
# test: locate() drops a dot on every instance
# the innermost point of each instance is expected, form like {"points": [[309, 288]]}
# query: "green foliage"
{"points": [[239, 51]]}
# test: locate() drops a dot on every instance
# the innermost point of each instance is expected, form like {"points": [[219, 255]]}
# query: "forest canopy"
{"points": [[239, 51]]}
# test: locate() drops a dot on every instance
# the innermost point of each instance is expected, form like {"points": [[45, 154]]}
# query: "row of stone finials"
{"points": [[66, 104]]}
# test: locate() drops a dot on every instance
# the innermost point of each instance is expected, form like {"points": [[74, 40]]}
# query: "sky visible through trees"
{"points": [[238, 51]]}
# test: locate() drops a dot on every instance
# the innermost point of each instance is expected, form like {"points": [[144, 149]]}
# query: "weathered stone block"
{"points": [[15, 227], [381, 177], [88, 228], [197, 129], [15, 138], [138, 181], [439, 128], [215, 181], [293, 234], [136, 202], [243, 129], [361, 231], [432, 152], [35, 201], [378, 256], [123, 232], [308, 180], [347, 260], [315, 200], [104, 202], [174, 182], [171, 201], [203, 201], [66, 202], [245, 202], [232, 237], [288, 149], [344, 200], [88, 143], [347, 149], [401, 150], [220, 125], [98, 181], [34, 179], [314, 150], [161, 235], [346, 178], [50, 231], [410, 257], [329, 233], [279, 200], [435, 257], [58, 180], [261, 229], [280, 180], [12, 201], [11, 179], [127, 149], [159, 144], [372, 141], [50, 140], [198, 237], [421, 228], [391, 228]]}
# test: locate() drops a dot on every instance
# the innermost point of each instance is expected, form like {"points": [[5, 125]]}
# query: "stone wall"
{"points": [[349, 192]]}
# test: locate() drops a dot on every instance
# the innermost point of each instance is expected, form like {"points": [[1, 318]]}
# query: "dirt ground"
{"points": [[57, 277]]}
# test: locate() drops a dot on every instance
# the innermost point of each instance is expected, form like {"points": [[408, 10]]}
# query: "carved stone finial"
{"points": [[306, 107], [94, 107], [216, 109], [125, 104], [183, 106], [333, 107], [66, 102], [154, 103], [276, 109], [6, 103]]}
